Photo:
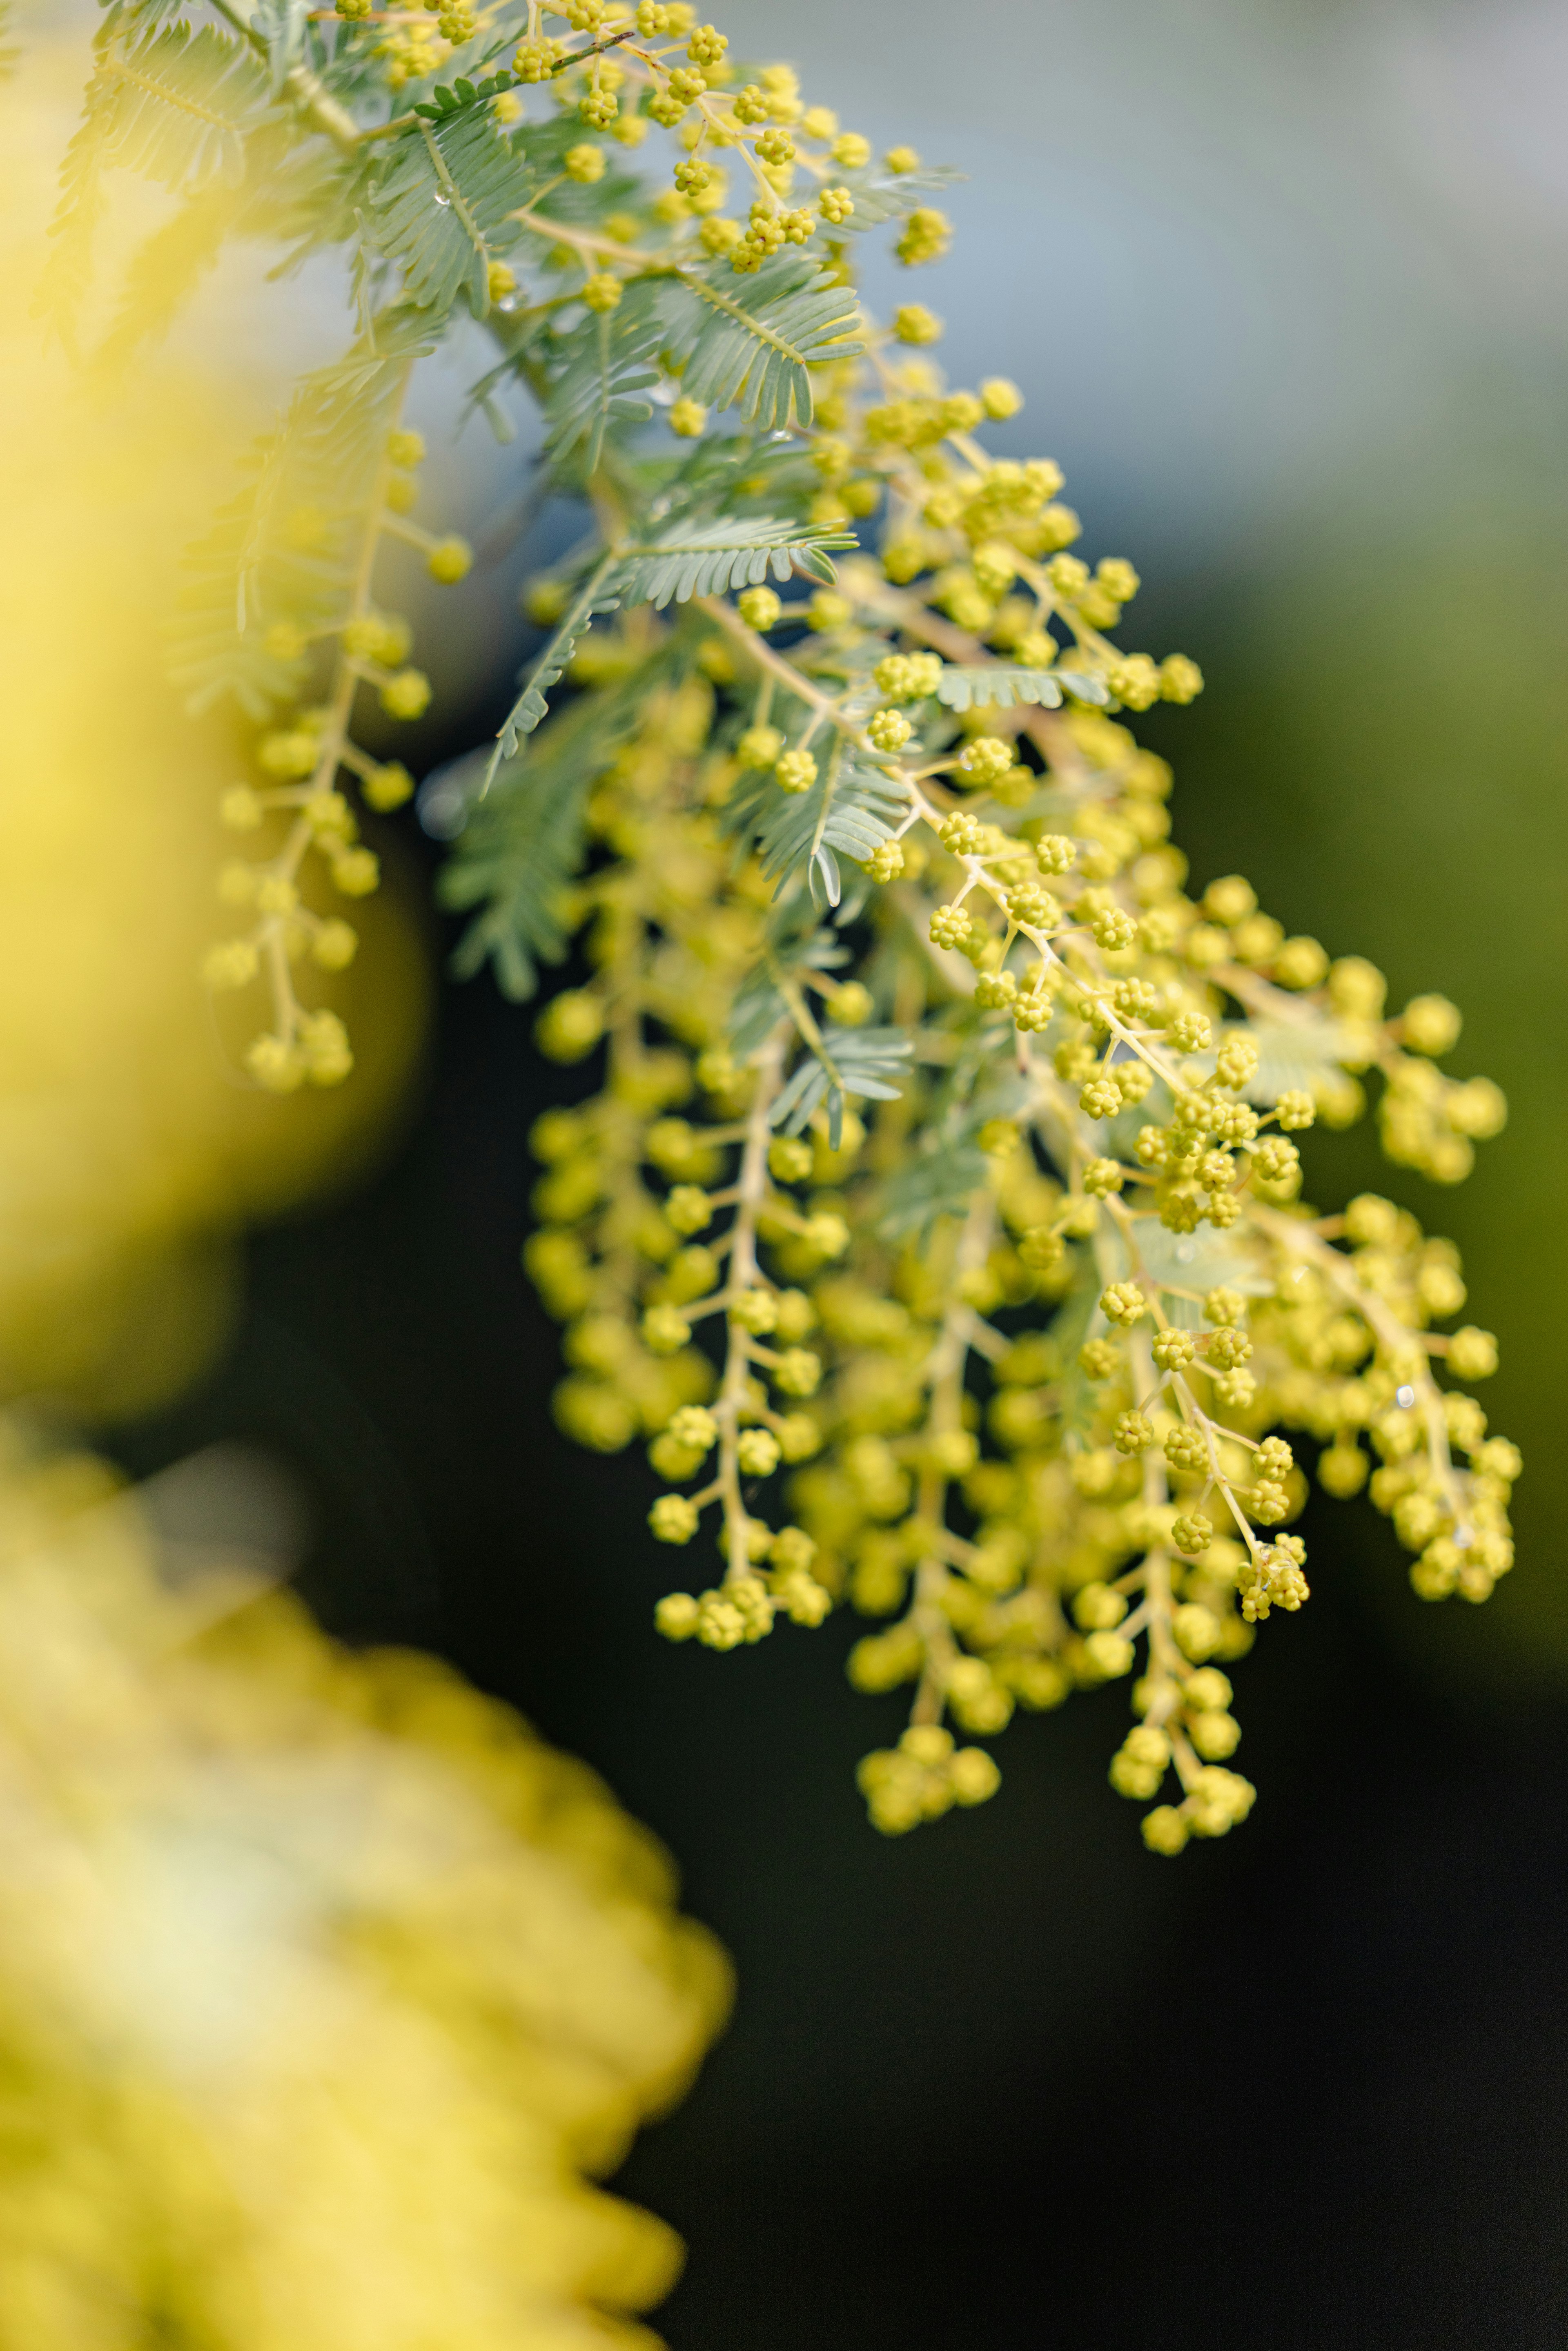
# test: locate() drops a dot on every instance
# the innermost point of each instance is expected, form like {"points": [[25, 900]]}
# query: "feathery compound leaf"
{"points": [[525, 874], [607, 366], [700, 560], [181, 104], [122, 19], [748, 472], [286, 549], [748, 343], [282, 25], [167, 266], [600, 593], [973, 689], [939, 1183], [864, 1062], [442, 200], [177, 107], [760, 1003], [447, 98], [881, 195], [1296, 1055], [850, 809], [707, 558], [286, 187], [519, 849], [1201, 1261]]}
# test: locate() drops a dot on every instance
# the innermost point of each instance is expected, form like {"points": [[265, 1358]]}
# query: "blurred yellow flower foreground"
{"points": [[322, 1981], [324, 1986], [132, 1145]]}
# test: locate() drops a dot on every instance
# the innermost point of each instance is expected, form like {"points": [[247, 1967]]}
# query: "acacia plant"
{"points": [[939, 1214]]}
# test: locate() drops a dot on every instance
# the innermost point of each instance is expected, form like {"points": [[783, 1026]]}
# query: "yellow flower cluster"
{"points": [[1060, 1291], [634, 68], [130, 1157], [325, 1987], [939, 1222], [304, 756], [1009, 1350]]}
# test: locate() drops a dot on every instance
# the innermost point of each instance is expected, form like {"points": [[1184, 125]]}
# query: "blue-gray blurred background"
{"points": [[1283, 280]]}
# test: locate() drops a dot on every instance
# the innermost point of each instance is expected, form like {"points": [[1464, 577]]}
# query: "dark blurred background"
{"points": [[1283, 284]]}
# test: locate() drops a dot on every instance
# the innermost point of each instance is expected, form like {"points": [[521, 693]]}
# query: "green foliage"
{"points": [[761, 1001], [702, 560], [939, 1182], [1074, 1320], [288, 547], [598, 594], [442, 203], [881, 195], [606, 369], [1090, 1091], [849, 810], [868, 1062], [709, 559], [122, 18], [168, 264], [449, 98], [747, 342], [975, 688], [523, 837], [524, 844], [281, 26], [743, 473], [175, 106], [283, 196], [179, 106]]}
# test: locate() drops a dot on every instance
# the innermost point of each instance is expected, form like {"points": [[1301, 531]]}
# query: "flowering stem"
{"points": [[751, 1186]]}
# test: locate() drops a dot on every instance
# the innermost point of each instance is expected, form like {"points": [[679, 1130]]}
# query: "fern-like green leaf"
{"points": [[520, 847], [287, 549], [167, 266], [696, 560], [282, 25], [881, 195], [599, 594], [286, 188], [181, 104], [864, 1062], [1083, 687], [447, 97], [524, 847], [849, 811], [174, 105], [440, 204], [741, 474], [748, 343], [1201, 1261], [972, 689], [760, 1003], [605, 371], [523, 866], [940, 1183], [124, 20], [1078, 1399], [708, 558]]}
